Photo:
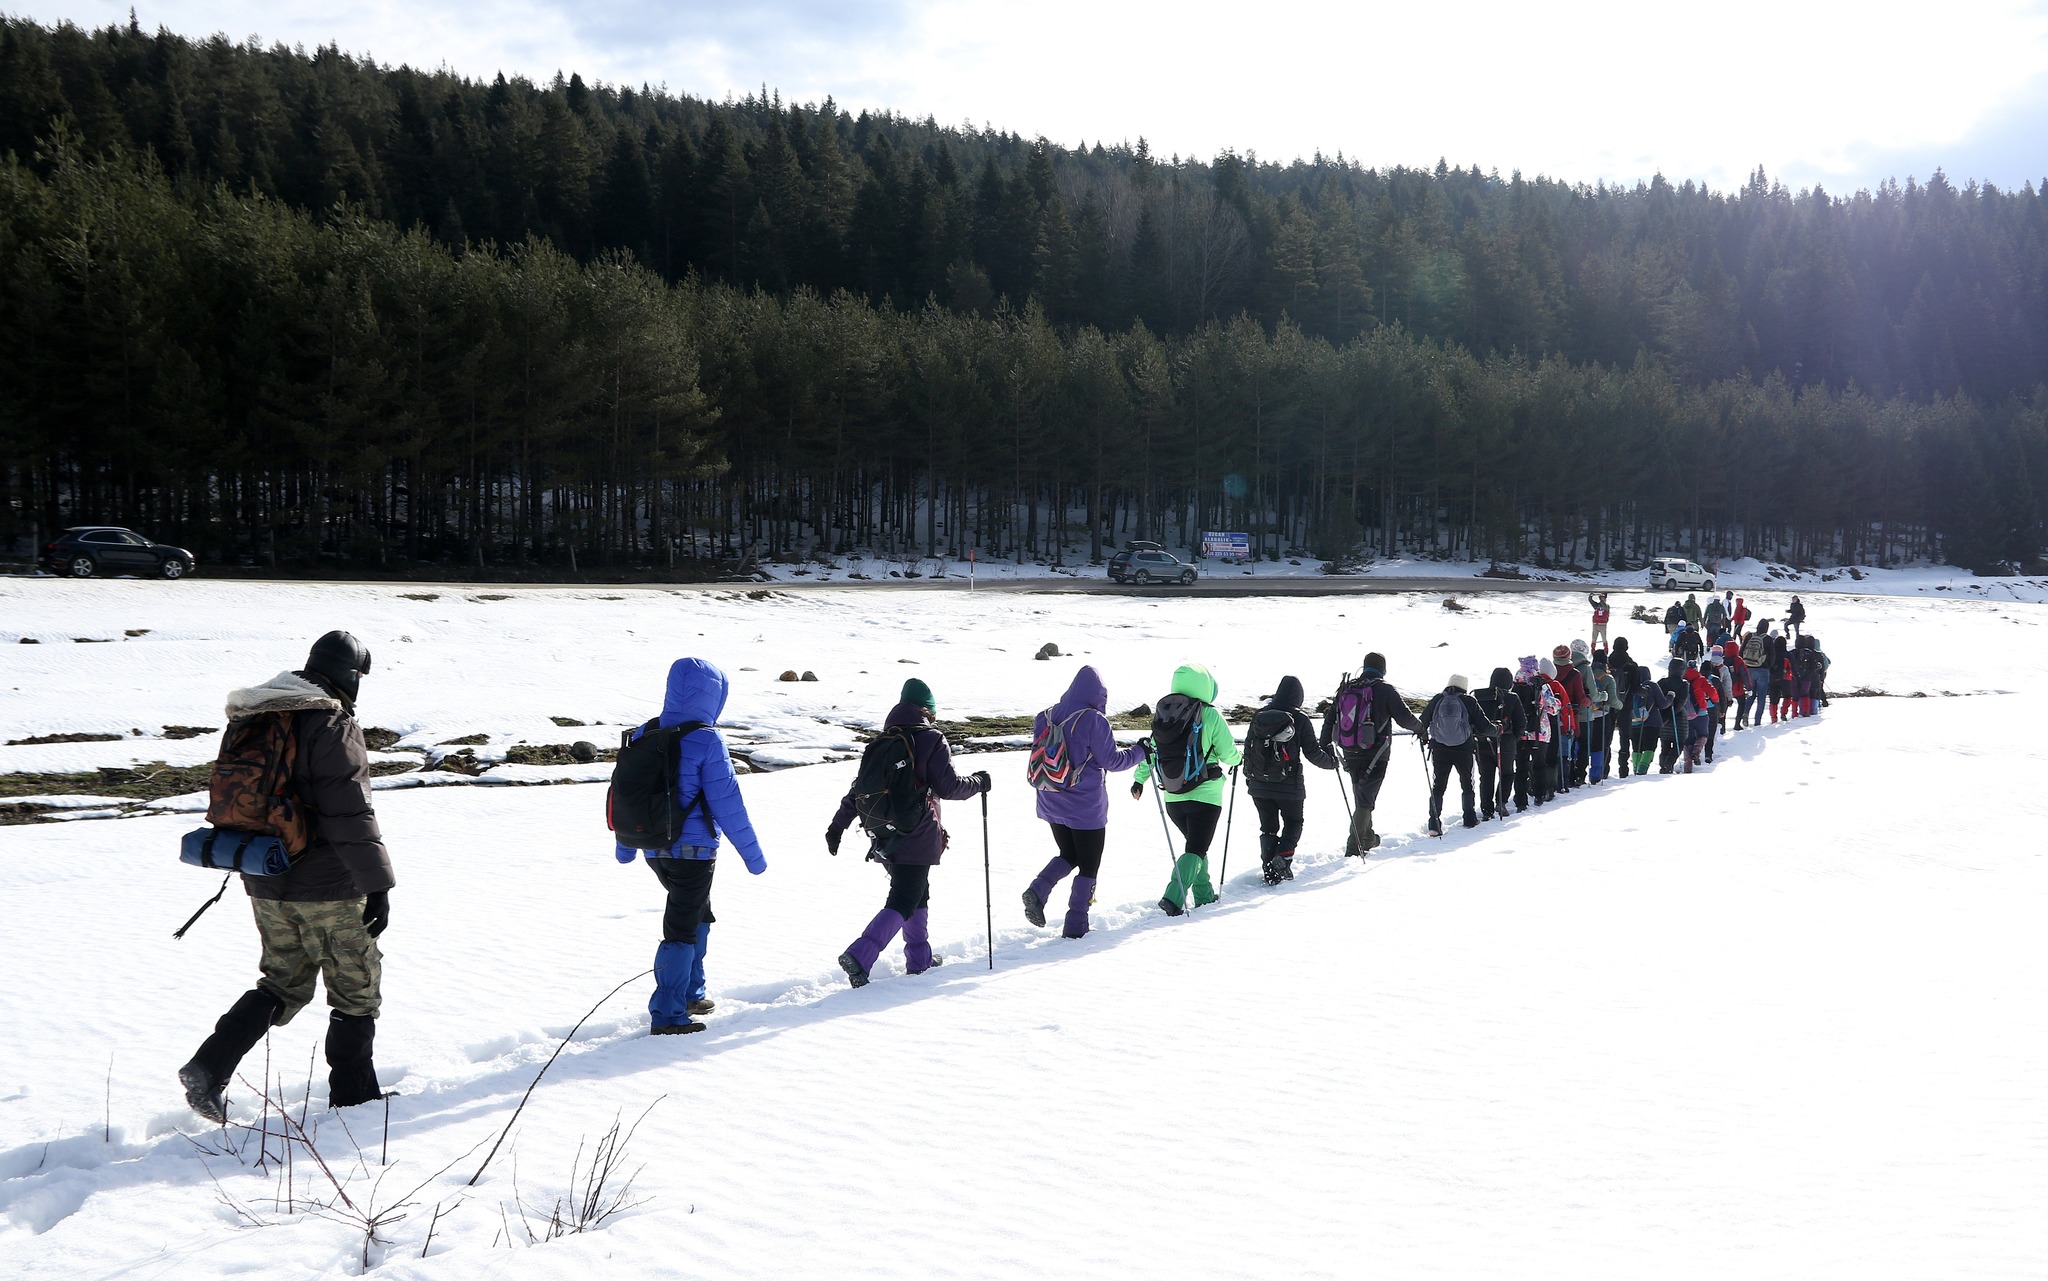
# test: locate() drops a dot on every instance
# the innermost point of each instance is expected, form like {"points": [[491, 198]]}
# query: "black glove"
{"points": [[1212, 773], [981, 781], [1137, 790], [832, 836], [377, 912], [1145, 745]]}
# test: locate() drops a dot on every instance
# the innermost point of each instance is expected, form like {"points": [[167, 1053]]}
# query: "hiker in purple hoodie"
{"points": [[1079, 811], [910, 856]]}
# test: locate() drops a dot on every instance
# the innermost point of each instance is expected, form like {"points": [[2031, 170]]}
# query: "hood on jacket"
{"points": [[911, 714], [1084, 691], [1676, 669], [1193, 680], [284, 692], [1547, 667], [1287, 693], [1621, 644], [1528, 668], [696, 692], [1502, 678], [1580, 653]]}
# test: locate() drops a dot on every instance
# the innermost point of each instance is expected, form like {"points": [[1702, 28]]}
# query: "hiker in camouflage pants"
{"points": [[305, 941], [321, 918]]}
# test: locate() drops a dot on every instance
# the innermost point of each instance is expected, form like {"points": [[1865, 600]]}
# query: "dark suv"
{"points": [[85, 550], [1144, 563]]}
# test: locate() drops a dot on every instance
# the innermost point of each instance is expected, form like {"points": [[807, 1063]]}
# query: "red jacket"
{"points": [[1704, 695]]}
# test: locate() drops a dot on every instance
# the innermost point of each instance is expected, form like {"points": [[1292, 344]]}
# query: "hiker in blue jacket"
{"points": [[710, 796]]}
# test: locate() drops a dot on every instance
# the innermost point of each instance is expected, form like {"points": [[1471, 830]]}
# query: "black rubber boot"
{"points": [[351, 1064], [206, 1077]]}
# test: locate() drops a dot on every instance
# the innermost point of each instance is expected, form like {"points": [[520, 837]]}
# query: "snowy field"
{"points": [[1777, 1019]]}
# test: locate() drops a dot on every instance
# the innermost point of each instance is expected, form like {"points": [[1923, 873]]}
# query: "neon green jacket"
{"points": [[1218, 745]]}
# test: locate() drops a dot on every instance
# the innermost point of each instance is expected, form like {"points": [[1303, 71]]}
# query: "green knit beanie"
{"points": [[916, 691]]}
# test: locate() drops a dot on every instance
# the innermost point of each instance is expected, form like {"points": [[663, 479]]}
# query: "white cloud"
{"points": [[1596, 90]]}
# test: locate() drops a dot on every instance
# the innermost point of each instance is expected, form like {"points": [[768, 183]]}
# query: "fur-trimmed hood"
{"points": [[284, 692]]}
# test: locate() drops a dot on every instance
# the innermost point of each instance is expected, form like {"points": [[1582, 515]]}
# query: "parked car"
{"points": [[1144, 563], [85, 550], [1668, 572]]}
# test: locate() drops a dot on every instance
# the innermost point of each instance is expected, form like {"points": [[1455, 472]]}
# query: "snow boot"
{"points": [[1599, 767], [701, 1006], [1170, 907], [1436, 826], [1079, 898], [678, 1029], [206, 1077], [917, 943], [1040, 891], [674, 963], [351, 1069], [858, 960], [1471, 819], [1284, 860]]}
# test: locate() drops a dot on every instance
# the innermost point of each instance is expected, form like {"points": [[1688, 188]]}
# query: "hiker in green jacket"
{"points": [[1192, 744]]}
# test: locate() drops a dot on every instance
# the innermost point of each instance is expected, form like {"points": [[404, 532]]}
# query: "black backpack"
{"points": [[1177, 739], [642, 807], [888, 797], [1271, 754]]}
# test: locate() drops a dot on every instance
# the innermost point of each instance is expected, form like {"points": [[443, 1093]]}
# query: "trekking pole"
{"points": [[1229, 817], [987, 895]]}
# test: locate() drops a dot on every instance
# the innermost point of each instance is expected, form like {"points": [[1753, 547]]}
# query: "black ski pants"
{"points": [[910, 887], [1496, 762], [1081, 846], [1197, 823], [1279, 823], [688, 882], [1446, 759]]}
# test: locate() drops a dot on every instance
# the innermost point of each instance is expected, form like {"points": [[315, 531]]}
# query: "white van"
{"points": [[1668, 572]]}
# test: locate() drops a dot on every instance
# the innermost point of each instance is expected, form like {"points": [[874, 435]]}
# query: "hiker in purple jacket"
{"points": [[911, 856], [1078, 812]]}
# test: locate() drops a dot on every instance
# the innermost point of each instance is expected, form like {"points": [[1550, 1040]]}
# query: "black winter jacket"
{"points": [[345, 857], [1288, 698]]}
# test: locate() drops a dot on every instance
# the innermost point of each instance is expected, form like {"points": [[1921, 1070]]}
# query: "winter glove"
{"points": [[832, 835], [376, 912], [982, 782], [1145, 746], [623, 854]]}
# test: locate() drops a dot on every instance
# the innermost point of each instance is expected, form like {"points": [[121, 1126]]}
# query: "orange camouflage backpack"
{"points": [[251, 789]]}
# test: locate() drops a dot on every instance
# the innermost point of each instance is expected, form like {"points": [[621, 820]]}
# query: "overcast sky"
{"points": [[1842, 92]]}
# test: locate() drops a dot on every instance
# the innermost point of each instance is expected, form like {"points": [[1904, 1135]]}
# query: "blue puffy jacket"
{"points": [[696, 692]]}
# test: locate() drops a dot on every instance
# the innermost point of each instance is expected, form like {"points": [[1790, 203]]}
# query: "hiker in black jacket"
{"points": [[1454, 725], [1367, 766], [1280, 738], [319, 921], [1497, 759]]}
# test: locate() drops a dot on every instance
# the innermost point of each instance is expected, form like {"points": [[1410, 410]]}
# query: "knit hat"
{"points": [[1502, 678], [1676, 669], [916, 691], [1562, 653], [1375, 665], [1547, 667], [1578, 651], [1528, 667], [1461, 681]]}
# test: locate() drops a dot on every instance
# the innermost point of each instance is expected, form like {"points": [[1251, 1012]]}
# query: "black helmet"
{"points": [[341, 660]]}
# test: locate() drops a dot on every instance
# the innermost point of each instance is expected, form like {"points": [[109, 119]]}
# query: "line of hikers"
{"points": [[1546, 727]]}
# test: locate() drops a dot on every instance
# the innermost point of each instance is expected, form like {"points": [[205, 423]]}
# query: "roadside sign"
{"points": [[1225, 546]]}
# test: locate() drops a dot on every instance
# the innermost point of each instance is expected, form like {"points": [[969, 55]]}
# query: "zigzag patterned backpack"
{"points": [[1052, 766]]}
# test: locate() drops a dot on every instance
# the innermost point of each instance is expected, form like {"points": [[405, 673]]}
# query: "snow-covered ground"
{"points": [[1777, 1019]]}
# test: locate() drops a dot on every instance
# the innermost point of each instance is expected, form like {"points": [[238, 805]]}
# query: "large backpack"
{"points": [[888, 796], [1451, 724], [1271, 754], [1052, 766], [641, 806], [1177, 740], [1352, 726], [1803, 664], [251, 787], [1756, 651]]}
